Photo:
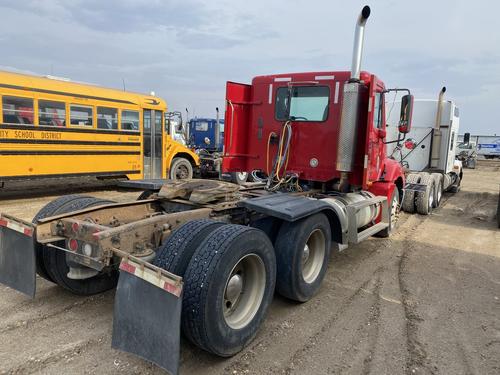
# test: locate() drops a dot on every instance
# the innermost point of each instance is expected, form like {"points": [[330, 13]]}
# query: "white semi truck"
{"points": [[427, 152]]}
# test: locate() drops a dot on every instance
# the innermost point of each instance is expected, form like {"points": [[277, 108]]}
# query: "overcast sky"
{"points": [[185, 50]]}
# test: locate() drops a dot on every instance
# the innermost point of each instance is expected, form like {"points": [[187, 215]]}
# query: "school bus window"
{"points": [[80, 115], [17, 110], [107, 118], [51, 113], [158, 121], [130, 120]]}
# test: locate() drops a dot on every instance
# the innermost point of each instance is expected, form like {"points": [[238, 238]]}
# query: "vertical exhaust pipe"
{"points": [[186, 133], [440, 108], [437, 134], [217, 129], [353, 91], [359, 38]]}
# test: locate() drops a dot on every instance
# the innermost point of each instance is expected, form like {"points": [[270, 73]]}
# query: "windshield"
{"points": [[307, 103]]}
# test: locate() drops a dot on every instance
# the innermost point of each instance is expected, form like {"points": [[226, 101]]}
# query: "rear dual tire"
{"points": [[424, 201], [408, 204], [438, 189], [302, 255], [52, 264], [229, 285], [230, 272], [229, 277], [176, 253]]}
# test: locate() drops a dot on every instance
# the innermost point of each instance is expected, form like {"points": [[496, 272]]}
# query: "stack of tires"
{"points": [[423, 202]]}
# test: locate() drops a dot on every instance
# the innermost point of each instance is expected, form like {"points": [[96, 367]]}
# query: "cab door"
{"points": [[375, 132]]}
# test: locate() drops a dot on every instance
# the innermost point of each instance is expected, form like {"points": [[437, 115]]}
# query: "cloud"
{"points": [[122, 16], [201, 41], [186, 50]]}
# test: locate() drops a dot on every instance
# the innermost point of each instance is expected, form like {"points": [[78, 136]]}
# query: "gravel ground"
{"points": [[425, 301]]}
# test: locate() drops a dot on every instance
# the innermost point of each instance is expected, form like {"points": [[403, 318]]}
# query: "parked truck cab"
{"points": [[218, 251]]}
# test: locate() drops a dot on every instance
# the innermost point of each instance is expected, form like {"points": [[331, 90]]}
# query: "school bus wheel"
{"points": [[181, 169]]}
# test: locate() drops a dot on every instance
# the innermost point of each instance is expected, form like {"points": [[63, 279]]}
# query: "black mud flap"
{"points": [[415, 187], [147, 314], [17, 255]]}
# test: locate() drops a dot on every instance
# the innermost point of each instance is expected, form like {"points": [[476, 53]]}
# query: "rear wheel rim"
{"points": [[244, 291], [313, 256], [431, 200], [439, 194]]}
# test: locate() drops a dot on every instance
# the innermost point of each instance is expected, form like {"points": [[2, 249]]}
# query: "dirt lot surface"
{"points": [[425, 301]]}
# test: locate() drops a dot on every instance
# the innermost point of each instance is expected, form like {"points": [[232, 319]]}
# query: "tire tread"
{"points": [[199, 279], [422, 199], [408, 204], [174, 255]]}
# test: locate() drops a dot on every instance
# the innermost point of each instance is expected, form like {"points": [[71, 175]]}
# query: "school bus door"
{"points": [[152, 139]]}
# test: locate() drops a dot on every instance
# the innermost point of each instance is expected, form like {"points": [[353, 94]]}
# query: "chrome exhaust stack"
{"points": [[359, 37], [353, 91], [217, 129], [437, 134]]}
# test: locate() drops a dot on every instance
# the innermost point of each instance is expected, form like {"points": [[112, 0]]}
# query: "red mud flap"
{"points": [[17, 255], [147, 314]]}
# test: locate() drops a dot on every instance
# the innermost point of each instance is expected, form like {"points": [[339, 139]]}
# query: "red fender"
{"points": [[393, 171], [392, 176]]}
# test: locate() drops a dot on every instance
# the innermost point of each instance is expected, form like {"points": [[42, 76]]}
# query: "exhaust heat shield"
{"points": [[353, 91]]}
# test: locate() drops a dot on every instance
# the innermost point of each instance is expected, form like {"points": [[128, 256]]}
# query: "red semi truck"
{"points": [[208, 256]]}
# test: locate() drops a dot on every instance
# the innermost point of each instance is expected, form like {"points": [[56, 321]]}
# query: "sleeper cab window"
{"points": [[17, 110], [107, 118], [130, 120], [51, 113], [81, 115]]}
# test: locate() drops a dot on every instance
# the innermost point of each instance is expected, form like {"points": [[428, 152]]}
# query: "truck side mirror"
{"points": [[406, 114], [467, 138]]}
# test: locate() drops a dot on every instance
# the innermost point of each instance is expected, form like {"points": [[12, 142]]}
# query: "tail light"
{"points": [[73, 244]]}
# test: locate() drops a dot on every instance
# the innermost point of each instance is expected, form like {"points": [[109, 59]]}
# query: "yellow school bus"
{"points": [[51, 127]]}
